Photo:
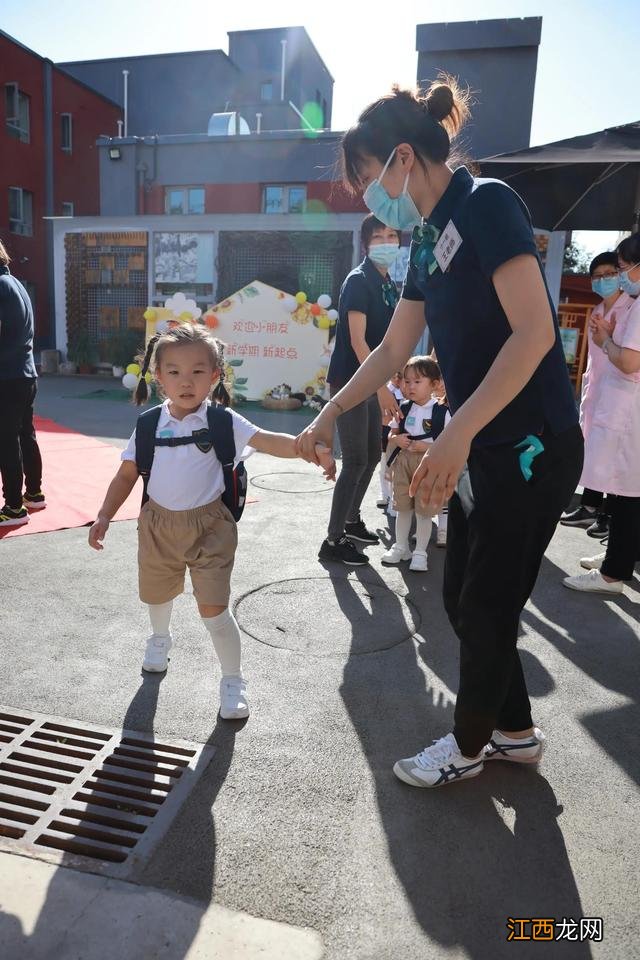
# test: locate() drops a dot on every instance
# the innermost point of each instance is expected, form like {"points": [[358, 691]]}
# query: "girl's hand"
{"points": [[326, 461], [319, 432], [402, 440], [418, 446], [97, 533], [435, 479], [388, 403]]}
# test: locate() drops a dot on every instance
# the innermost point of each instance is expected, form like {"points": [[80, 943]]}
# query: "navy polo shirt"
{"points": [[368, 292], [465, 317], [16, 329]]}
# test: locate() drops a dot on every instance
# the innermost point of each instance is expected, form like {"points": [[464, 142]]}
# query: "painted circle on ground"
{"points": [[328, 617], [292, 481]]}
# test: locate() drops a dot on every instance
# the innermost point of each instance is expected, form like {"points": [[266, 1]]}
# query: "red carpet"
{"points": [[76, 473]]}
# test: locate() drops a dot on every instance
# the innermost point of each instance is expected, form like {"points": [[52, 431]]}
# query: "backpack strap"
{"points": [[221, 431], [438, 418], [145, 445], [405, 407]]}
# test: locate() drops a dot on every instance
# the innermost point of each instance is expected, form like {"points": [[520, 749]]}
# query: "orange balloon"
{"points": [[316, 309], [211, 320]]}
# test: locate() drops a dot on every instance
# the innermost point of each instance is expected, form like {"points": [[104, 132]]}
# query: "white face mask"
{"points": [[384, 254]]}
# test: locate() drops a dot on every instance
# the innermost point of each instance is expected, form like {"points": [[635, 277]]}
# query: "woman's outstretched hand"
{"points": [[435, 479], [320, 431]]}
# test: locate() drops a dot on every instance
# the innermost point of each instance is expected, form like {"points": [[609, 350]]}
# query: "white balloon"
{"points": [[332, 314], [289, 303], [162, 326], [324, 301], [130, 381]]}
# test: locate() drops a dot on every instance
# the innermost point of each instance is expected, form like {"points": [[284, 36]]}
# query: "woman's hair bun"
{"points": [[440, 101]]}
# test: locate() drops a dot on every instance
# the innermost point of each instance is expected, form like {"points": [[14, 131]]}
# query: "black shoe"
{"points": [[600, 528], [358, 531], [342, 551], [578, 518], [13, 518]]}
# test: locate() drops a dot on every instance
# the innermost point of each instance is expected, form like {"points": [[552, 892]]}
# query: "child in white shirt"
{"points": [[424, 417], [184, 523], [395, 387]]}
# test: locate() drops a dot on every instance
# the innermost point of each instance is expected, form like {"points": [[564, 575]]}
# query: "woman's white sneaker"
{"points": [[438, 765], [528, 750], [419, 561], [396, 554], [233, 698], [593, 563], [156, 658], [594, 582]]}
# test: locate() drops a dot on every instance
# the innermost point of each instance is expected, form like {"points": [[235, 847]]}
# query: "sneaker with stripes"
{"points": [[438, 765]]}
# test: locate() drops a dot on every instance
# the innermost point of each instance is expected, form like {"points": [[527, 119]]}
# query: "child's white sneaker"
{"points": [[233, 698], [419, 561], [593, 563], [594, 582], [396, 554], [156, 658], [441, 537]]}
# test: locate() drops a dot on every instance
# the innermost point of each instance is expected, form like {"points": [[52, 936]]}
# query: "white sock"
{"points": [[403, 526], [225, 634], [443, 519], [423, 532], [160, 616]]}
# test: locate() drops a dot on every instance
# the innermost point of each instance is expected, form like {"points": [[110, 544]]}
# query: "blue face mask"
{"points": [[399, 213], [384, 254], [627, 285], [605, 286]]}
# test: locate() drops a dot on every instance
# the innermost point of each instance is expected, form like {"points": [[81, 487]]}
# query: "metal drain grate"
{"points": [[85, 796]]}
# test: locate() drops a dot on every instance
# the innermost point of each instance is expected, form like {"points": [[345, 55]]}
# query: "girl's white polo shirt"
{"points": [[183, 477]]}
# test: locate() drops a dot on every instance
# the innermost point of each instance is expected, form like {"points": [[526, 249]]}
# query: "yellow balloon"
{"points": [[148, 377], [324, 323], [301, 297], [150, 314], [134, 368], [185, 315]]}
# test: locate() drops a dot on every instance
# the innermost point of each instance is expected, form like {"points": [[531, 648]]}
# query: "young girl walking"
{"points": [[424, 418], [184, 523]]}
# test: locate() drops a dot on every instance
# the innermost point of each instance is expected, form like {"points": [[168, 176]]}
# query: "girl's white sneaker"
{"points": [[156, 658], [419, 561], [593, 563], [594, 582], [233, 698], [396, 554]]}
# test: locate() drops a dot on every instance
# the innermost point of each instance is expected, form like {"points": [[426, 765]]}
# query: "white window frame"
{"points": [[13, 122], [287, 187], [67, 148], [20, 226], [69, 207], [186, 211]]}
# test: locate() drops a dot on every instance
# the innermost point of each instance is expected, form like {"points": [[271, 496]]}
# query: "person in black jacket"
{"points": [[19, 452]]}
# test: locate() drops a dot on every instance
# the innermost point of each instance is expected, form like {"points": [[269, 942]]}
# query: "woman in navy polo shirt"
{"points": [[368, 298], [513, 449]]}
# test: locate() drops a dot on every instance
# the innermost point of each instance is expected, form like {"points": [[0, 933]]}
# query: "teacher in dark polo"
{"points": [[19, 453], [368, 298]]}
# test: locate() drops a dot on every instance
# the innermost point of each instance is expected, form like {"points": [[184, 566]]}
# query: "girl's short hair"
{"points": [[369, 226], [427, 122], [425, 366], [184, 335], [629, 249], [5, 259]]}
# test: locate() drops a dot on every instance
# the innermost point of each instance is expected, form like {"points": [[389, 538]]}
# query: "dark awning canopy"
{"points": [[590, 182]]}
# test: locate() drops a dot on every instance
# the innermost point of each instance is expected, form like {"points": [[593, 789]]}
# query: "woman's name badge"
{"points": [[447, 246]]}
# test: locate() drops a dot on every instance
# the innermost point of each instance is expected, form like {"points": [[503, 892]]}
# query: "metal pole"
{"points": [[125, 74], [282, 69]]}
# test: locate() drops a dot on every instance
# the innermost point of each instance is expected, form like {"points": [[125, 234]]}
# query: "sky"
{"points": [[582, 83]]}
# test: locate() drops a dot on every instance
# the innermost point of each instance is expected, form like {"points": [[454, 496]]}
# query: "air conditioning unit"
{"points": [[227, 125]]}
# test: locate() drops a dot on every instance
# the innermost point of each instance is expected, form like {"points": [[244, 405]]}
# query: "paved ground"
{"points": [[299, 818]]}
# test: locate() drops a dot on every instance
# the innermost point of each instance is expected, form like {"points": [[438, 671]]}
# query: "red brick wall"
{"points": [[76, 174], [23, 165]]}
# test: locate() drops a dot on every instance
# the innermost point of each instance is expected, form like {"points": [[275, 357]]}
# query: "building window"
{"points": [[184, 200], [266, 91], [284, 199], [67, 209], [20, 211], [17, 112], [66, 130]]}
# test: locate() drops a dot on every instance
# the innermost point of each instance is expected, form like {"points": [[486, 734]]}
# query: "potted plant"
{"points": [[121, 350], [82, 350]]}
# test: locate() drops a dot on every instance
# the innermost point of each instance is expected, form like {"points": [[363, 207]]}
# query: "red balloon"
{"points": [[316, 309]]}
